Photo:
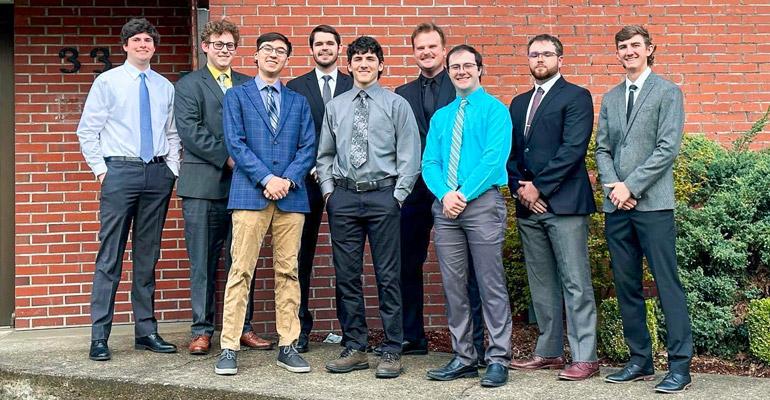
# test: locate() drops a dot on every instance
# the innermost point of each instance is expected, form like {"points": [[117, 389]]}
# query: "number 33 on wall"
{"points": [[102, 55]]}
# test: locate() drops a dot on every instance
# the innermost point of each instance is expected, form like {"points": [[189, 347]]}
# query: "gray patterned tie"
{"points": [[359, 142], [272, 110], [457, 144], [533, 109], [221, 81], [327, 93]]}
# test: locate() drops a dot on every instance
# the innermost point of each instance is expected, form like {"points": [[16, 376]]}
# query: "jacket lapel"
{"points": [[343, 84], [522, 112], [211, 84], [256, 100], [416, 99], [446, 93], [315, 99], [552, 93], [646, 89], [286, 103]]}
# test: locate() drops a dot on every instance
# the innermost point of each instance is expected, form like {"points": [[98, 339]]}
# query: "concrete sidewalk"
{"points": [[53, 364]]}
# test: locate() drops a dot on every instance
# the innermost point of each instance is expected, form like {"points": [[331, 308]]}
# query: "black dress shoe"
{"points": [[631, 373], [482, 362], [674, 383], [455, 369], [99, 350], [497, 375], [419, 347], [154, 342], [303, 343]]}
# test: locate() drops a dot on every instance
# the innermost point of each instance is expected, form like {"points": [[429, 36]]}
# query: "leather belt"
{"points": [[364, 186], [157, 159]]}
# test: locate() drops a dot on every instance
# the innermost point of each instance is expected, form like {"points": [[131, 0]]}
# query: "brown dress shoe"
{"points": [[200, 345], [252, 341], [579, 371], [538, 362]]}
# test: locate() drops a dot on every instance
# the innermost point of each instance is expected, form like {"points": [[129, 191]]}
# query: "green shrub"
{"points": [[758, 321], [610, 330]]}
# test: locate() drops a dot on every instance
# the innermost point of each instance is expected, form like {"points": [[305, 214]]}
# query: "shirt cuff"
{"points": [[266, 179], [327, 186]]}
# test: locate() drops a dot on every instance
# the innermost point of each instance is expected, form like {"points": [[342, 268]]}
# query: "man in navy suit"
{"points": [[552, 125], [318, 86], [430, 91], [204, 179], [269, 134]]}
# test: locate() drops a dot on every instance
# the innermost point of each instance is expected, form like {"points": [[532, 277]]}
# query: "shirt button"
{"points": [[526, 150], [276, 142], [275, 162]]}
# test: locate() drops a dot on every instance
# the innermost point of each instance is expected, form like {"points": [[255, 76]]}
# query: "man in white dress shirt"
{"points": [[129, 140]]}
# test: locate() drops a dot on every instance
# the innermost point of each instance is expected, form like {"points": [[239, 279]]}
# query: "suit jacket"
{"points": [[307, 85], [641, 152], [198, 113], [552, 155], [288, 152], [412, 92]]}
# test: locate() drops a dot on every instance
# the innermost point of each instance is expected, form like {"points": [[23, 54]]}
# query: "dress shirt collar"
{"points": [[216, 72], [319, 75], [371, 91], [639, 81], [261, 84], [472, 98], [134, 72], [549, 83]]}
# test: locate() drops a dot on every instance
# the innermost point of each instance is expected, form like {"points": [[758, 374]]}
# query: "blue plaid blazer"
{"points": [[288, 152]]}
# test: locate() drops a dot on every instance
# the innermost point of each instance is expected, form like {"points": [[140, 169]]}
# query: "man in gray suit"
{"points": [[640, 131], [204, 179]]}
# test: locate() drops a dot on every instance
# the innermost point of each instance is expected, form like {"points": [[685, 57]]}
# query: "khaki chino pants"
{"points": [[249, 229]]}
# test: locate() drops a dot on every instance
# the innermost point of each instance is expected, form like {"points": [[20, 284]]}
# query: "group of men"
{"points": [[388, 168]]}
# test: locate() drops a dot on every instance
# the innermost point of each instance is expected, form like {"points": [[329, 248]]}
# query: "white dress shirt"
{"points": [[546, 87], [319, 76], [109, 125], [639, 83]]}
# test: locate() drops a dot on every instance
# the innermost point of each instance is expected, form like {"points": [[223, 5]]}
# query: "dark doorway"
{"points": [[7, 207]]}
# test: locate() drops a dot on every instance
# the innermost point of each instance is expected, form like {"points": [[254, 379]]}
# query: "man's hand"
{"points": [[277, 188], [230, 163], [454, 203], [314, 175], [629, 204], [528, 192], [620, 193], [326, 197], [101, 177]]}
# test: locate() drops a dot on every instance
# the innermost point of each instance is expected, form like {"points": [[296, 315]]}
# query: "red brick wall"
{"points": [[56, 193], [717, 50]]}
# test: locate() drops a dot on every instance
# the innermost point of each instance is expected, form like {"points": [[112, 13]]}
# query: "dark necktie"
{"points": [[535, 105], [272, 110], [428, 98], [630, 105], [327, 92], [146, 151], [360, 141]]}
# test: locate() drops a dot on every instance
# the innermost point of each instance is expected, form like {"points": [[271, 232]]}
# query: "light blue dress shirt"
{"points": [[109, 124], [485, 147]]}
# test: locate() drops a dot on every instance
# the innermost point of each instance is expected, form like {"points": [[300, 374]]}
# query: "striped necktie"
{"points": [[272, 110], [457, 143], [146, 151]]}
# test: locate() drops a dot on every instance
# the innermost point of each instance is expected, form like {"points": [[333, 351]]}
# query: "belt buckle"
{"points": [[358, 186]]}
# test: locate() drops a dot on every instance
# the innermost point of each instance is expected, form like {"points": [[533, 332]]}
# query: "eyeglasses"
{"points": [[279, 51], [546, 54], [464, 67], [219, 45]]}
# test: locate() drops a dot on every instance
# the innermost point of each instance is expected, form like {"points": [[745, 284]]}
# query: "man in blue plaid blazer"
{"points": [[269, 132]]}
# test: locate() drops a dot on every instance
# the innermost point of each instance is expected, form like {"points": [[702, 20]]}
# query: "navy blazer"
{"points": [[307, 85], [553, 154], [412, 92], [288, 152]]}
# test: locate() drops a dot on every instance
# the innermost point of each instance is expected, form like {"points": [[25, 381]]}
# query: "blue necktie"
{"points": [[146, 151], [272, 110]]}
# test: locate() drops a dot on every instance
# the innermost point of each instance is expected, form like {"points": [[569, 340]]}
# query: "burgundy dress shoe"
{"points": [[538, 362], [252, 341], [579, 371], [200, 345]]}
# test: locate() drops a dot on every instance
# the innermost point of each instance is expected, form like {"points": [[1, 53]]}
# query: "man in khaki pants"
{"points": [[270, 134]]}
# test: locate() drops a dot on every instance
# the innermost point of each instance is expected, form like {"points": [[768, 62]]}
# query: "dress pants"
{"points": [[249, 229], [307, 250], [559, 275], [631, 234], [416, 225], [354, 217], [207, 228], [478, 230], [132, 193]]}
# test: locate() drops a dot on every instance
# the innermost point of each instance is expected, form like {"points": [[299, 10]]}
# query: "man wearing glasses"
{"points": [[204, 179], [269, 134], [547, 174], [464, 167]]}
